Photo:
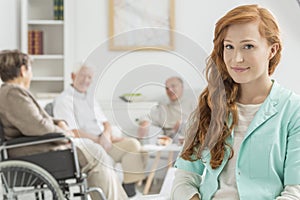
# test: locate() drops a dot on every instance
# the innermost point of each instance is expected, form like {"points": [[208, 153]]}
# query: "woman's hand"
{"points": [[63, 125]]}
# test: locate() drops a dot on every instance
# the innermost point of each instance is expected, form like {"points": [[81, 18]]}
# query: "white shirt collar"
{"points": [[76, 93]]}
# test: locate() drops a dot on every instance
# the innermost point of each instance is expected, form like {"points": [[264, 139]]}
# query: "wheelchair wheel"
{"points": [[22, 180]]}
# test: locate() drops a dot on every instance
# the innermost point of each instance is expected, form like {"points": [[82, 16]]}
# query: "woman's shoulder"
{"points": [[14, 89], [287, 99], [283, 93], [13, 92], [286, 93]]}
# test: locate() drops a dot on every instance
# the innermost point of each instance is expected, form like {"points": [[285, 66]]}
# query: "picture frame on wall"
{"points": [[141, 24]]}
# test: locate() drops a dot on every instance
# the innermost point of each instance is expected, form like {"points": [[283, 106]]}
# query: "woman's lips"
{"points": [[239, 69]]}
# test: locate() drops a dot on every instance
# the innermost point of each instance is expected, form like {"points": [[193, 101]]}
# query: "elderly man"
{"points": [[22, 116], [172, 116], [88, 121]]}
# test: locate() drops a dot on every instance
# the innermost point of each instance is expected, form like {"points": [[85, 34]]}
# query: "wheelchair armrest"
{"points": [[27, 139], [33, 140]]}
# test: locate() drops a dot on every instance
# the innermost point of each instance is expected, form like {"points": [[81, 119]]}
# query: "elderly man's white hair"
{"points": [[80, 65]]}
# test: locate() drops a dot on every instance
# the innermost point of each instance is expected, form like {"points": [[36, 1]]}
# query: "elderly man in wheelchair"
{"points": [[40, 158]]}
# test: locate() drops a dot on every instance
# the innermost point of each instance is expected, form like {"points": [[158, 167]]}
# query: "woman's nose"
{"points": [[238, 57]]}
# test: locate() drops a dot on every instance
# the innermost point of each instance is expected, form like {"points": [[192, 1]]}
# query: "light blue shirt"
{"points": [[269, 156]]}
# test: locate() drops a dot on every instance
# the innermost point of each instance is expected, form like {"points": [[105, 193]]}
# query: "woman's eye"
{"points": [[228, 46], [248, 46]]}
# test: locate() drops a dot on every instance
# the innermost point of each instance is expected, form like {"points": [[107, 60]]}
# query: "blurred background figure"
{"points": [[21, 116], [171, 117], [87, 120]]}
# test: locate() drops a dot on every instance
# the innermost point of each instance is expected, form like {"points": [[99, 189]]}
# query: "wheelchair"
{"points": [[50, 175]]}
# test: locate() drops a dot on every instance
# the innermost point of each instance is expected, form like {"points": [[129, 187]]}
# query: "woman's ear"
{"points": [[23, 70], [274, 49]]}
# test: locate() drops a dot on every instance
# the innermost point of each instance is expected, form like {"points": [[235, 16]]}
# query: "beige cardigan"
{"points": [[21, 116]]}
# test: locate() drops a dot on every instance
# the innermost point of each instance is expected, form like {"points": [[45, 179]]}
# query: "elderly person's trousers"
{"points": [[128, 153], [95, 162]]}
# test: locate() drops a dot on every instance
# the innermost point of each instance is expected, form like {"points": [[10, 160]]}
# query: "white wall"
{"points": [[195, 21], [120, 73], [9, 23], [9, 34]]}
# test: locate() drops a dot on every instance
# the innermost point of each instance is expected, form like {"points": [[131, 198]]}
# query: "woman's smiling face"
{"points": [[246, 53]]}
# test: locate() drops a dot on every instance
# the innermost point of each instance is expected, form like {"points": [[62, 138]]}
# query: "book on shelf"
{"points": [[35, 42], [61, 10], [58, 9]]}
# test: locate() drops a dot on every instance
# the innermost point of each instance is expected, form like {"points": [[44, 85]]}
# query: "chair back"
{"points": [[2, 138], [49, 109]]}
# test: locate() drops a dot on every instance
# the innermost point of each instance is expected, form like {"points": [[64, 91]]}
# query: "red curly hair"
{"points": [[209, 124]]}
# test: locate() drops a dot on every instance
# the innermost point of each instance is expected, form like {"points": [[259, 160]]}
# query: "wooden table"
{"points": [[158, 149]]}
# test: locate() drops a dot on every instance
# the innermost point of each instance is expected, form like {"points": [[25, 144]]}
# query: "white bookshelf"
{"points": [[47, 78], [50, 68], [45, 22]]}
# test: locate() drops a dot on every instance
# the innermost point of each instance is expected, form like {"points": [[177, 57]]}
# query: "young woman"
{"points": [[244, 137]]}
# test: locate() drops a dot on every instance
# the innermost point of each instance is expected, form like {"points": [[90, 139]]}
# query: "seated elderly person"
{"points": [[171, 117], [88, 121], [22, 116]]}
